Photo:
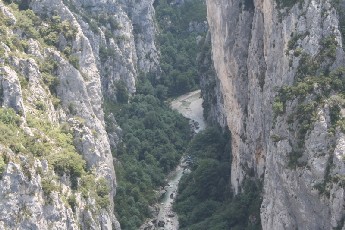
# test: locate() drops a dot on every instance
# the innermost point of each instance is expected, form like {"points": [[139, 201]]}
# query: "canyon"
{"points": [[271, 73]]}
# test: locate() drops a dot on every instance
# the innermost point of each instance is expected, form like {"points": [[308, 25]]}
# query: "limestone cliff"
{"points": [[58, 61], [279, 78]]}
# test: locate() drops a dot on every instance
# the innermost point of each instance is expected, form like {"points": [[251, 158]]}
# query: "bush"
{"points": [[315, 85], [48, 186], [74, 60], [9, 117], [72, 201], [2, 165], [121, 92], [278, 107], [52, 82], [68, 163], [40, 106]]}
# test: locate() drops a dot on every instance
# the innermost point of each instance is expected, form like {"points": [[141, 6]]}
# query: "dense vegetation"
{"points": [[154, 139], [205, 199], [47, 29], [55, 144], [177, 40]]}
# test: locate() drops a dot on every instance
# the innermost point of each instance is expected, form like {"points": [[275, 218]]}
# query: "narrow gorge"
{"points": [[89, 134]]}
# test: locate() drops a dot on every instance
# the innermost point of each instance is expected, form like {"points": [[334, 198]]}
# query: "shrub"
{"points": [[72, 201], [68, 163], [48, 186], [121, 92], [2, 165], [278, 107], [40, 106], [9, 117], [74, 60]]}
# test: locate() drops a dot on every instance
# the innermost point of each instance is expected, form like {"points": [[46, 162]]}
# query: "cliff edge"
{"points": [[280, 76]]}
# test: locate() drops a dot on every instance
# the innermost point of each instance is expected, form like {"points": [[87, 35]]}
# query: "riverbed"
{"points": [[190, 106]]}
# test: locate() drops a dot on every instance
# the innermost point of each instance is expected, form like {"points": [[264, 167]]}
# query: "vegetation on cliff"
{"points": [[205, 199], [33, 136], [317, 84]]}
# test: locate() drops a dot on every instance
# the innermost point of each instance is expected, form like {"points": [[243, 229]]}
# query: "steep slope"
{"points": [[57, 62], [287, 54]]}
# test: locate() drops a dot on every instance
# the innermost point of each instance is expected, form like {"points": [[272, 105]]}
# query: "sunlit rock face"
{"points": [[65, 84], [257, 47]]}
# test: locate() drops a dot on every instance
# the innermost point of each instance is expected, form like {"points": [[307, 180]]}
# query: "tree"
{"points": [[121, 92]]}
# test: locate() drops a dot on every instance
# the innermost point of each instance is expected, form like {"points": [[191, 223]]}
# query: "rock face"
{"points": [[68, 57], [258, 47]]}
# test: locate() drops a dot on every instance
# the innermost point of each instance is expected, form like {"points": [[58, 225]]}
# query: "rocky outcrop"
{"points": [[121, 35], [258, 47], [142, 16], [11, 90], [68, 56]]}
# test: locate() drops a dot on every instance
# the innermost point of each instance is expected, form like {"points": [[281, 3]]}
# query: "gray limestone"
{"points": [[251, 59]]}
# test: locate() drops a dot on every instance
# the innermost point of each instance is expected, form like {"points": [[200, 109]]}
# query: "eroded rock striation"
{"points": [[276, 64], [59, 60]]}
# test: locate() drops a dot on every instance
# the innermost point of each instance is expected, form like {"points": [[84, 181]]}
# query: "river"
{"points": [[190, 106]]}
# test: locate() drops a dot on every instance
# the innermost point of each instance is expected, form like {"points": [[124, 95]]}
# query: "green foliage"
{"points": [[14, 42], [154, 138], [276, 138], [205, 200], [329, 47], [56, 145], [48, 65], [9, 117], [46, 138], [105, 53], [48, 186], [57, 28], [40, 106], [68, 162], [72, 108], [278, 107], [121, 92], [292, 44], [178, 45], [341, 124], [74, 60], [102, 192], [47, 141], [72, 201], [314, 86], [51, 81], [2, 165], [28, 22]]}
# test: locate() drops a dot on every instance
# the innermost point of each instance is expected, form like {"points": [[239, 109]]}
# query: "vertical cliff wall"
{"points": [[277, 64], [58, 61]]}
